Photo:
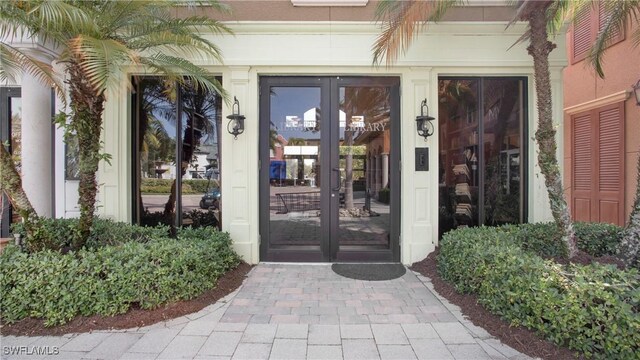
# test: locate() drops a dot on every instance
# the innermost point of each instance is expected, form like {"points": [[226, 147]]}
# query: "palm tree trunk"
{"points": [[87, 106], [629, 247], [11, 185], [539, 49]]}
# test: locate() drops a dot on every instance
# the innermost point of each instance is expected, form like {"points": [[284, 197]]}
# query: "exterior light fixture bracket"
{"points": [[424, 123], [235, 126]]}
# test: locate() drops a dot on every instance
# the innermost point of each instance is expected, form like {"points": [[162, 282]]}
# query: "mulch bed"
{"points": [[135, 317], [519, 338]]}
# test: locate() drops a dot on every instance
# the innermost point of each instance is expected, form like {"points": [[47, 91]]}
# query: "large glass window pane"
{"points": [[459, 153], [502, 123], [294, 167], [10, 133], [156, 137], [200, 123], [178, 147], [15, 108], [364, 155], [481, 166]]}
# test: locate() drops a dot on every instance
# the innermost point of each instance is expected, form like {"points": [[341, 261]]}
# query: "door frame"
{"points": [[329, 249], [5, 135]]}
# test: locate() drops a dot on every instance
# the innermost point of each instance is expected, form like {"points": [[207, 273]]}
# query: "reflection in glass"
{"points": [[502, 123], [160, 137], [156, 147], [71, 158], [201, 119], [364, 153], [459, 153], [294, 166], [15, 108], [480, 129]]}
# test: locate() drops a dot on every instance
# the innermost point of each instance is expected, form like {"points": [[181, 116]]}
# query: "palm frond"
{"points": [[400, 23], [176, 44], [184, 26], [14, 19], [619, 14], [102, 59], [183, 71], [563, 12], [14, 61], [57, 18], [103, 36]]}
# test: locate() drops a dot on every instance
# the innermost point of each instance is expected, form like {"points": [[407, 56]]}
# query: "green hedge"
{"points": [[163, 186], [110, 279], [592, 309], [596, 239], [56, 234]]}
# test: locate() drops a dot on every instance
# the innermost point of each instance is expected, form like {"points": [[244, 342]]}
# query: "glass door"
{"points": [[325, 185], [365, 159], [10, 130]]}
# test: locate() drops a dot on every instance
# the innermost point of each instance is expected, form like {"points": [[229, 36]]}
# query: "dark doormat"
{"points": [[370, 272]]}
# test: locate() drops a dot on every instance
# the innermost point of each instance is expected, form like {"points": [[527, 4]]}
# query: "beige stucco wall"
{"points": [[340, 48]]}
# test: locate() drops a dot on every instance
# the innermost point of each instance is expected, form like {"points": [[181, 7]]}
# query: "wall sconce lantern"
{"points": [[235, 126], [636, 92], [423, 122]]}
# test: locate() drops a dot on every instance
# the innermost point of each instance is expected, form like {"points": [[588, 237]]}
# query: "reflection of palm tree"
{"points": [[373, 104], [505, 94], [157, 145], [298, 142], [198, 106], [273, 139], [454, 95], [200, 118]]}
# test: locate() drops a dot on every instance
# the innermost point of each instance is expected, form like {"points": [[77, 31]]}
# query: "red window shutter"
{"points": [[597, 171], [582, 157], [610, 174], [604, 13], [582, 35], [609, 149]]}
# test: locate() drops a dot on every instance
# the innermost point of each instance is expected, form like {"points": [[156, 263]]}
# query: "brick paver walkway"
{"points": [[295, 312]]}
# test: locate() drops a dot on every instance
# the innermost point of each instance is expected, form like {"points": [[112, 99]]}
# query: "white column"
{"points": [[240, 166], [384, 158], [37, 150]]}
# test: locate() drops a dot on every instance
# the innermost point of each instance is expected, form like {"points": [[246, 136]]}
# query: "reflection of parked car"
{"points": [[211, 199]]}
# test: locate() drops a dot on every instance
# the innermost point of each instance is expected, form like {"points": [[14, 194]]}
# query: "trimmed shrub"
{"points": [[57, 234], [110, 279], [543, 239], [592, 309], [598, 239]]}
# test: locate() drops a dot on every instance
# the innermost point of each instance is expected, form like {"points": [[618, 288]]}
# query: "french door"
{"points": [[329, 168]]}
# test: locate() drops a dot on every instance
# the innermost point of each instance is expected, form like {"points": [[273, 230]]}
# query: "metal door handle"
{"points": [[339, 179]]}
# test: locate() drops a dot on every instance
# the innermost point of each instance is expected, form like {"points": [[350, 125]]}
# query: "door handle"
{"points": [[337, 170]]}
